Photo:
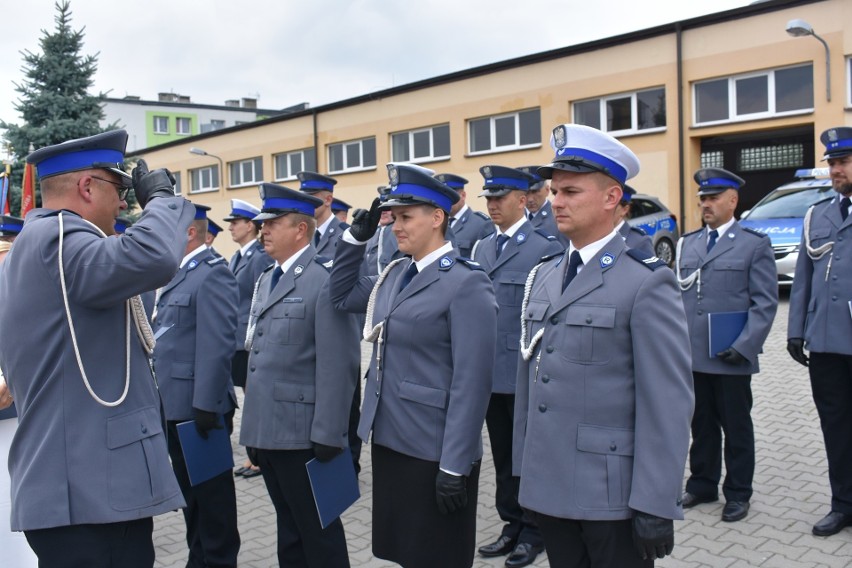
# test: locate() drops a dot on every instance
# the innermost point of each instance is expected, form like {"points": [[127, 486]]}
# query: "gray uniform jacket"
{"points": [[428, 398], [508, 274], [247, 271], [469, 228], [819, 300], [196, 321], [382, 249], [603, 407], [737, 275], [544, 220], [303, 363], [328, 240], [74, 461], [636, 238]]}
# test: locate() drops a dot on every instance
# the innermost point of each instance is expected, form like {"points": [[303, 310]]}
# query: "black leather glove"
{"points": [[326, 453], [365, 223], [653, 536], [148, 185], [796, 349], [451, 491], [731, 356], [252, 456], [205, 421]]}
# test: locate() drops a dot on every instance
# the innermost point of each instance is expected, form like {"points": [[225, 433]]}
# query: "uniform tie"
{"points": [[276, 276], [574, 262], [501, 242], [714, 234], [452, 222], [530, 215], [410, 273], [235, 262], [317, 237], [844, 207]]}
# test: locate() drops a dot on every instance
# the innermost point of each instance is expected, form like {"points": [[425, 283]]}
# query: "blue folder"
{"points": [[724, 329], [205, 459], [334, 485]]}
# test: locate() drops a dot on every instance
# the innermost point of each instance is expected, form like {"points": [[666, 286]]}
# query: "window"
{"points": [[178, 189], [626, 113], [421, 145], [776, 92], [183, 125], [772, 157], [161, 125], [505, 132], [289, 164], [246, 172], [352, 156], [204, 179], [713, 159]]}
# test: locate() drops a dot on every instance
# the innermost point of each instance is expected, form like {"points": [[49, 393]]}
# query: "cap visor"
{"points": [[271, 215]]}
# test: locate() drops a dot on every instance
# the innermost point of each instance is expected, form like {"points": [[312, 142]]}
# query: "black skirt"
{"points": [[407, 527]]}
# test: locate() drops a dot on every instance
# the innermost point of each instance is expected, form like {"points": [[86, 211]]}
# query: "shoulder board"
{"points": [[639, 230], [326, 263], [268, 268], [472, 264], [482, 215], [692, 232], [753, 232], [215, 260], [651, 262], [546, 235], [547, 257]]}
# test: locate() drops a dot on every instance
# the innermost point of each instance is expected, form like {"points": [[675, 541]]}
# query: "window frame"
{"points": [[493, 148], [237, 166], [634, 112], [411, 134], [188, 120], [287, 156], [343, 145], [157, 120], [192, 177]]}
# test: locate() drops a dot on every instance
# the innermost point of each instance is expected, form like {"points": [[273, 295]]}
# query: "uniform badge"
{"points": [[330, 230], [486, 172], [832, 135], [731, 235], [559, 136], [544, 213], [606, 260], [329, 264], [521, 237], [393, 175], [298, 269], [249, 253], [192, 264], [446, 262]]}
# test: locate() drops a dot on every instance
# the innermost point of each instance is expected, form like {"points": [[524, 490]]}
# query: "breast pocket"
{"points": [[604, 466], [287, 326], [509, 287], [819, 236], [534, 316], [294, 411], [732, 274], [589, 334], [178, 310]]}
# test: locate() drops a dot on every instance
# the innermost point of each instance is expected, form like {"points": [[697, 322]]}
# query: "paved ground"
{"points": [[791, 493]]}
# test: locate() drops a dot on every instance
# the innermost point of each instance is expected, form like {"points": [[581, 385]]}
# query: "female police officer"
{"points": [[432, 319]]}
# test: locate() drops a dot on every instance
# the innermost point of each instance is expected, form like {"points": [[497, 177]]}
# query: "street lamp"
{"points": [[800, 28], [200, 152]]}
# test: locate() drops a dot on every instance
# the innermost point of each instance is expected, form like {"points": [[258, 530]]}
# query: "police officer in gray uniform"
{"points": [[721, 268], [634, 237], [329, 227], [466, 225], [382, 248], [303, 362], [539, 208], [604, 393], [820, 320], [430, 376], [195, 322], [507, 256], [89, 463]]}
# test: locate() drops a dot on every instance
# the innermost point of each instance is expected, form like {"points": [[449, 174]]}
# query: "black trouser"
{"points": [[722, 404], [589, 544], [831, 383], [354, 419], [499, 419], [301, 539], [127, 544], [211, 510]]}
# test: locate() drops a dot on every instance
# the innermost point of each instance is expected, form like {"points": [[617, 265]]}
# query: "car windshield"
{"points": [[793, 202]]}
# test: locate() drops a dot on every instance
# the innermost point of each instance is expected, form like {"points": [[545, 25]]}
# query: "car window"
{"points": [[640, 208], [789, 203]]}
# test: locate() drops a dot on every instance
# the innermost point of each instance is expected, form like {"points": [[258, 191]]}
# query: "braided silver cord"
{"points": [[527, 350], [821, 251], [252, 320], [686, 283], [371, 332]]}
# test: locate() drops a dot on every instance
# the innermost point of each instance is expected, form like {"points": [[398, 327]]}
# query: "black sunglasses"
{"points": [[122, 191]]}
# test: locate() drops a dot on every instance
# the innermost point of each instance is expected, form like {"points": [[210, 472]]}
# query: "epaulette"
{"points": [[546, 235], [326, 263], [268, 268], [215, 260], [692, 232], [547, 257], [639, 230], [753, 232], [472, 264], [651, 262], [483, 215]]}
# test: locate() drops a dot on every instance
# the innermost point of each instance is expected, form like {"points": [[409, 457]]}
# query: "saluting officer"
{"points": [[604, 394], [539, 208], [507, 256], [724, 267], [303, 361], [634, 237], [430, 376], [466, 225], [820, 320], [195, 322], [329, 227], [89, 463], [382, 248]]}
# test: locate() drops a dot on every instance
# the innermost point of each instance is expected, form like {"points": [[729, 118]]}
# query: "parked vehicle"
{"points": [[649, 214]]}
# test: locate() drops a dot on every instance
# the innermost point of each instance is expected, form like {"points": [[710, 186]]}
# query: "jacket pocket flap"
{"points": [[130, 428], [429, 396], [512, 277], [536, 311], [183, 370], [179, 299], [733, 264], [513, 341], [592, 316], [605, 440], [294, 392], [289, 310]]}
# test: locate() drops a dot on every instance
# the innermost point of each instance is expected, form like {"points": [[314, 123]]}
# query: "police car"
{"points": [[780, 215], [649, 214]]}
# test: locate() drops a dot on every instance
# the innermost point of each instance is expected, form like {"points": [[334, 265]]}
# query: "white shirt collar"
{"points": [[324, 227], [588, 252], [510, 232], [447, 248], [460, 214], [188, 257], [289, 262], [245, 248], [722, 229]]}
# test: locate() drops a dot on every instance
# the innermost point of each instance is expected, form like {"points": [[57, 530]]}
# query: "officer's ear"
{"points": [[83, 187]]}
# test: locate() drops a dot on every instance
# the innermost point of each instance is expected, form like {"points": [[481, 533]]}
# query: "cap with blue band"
{"points": [[716, 180], [500, 180], [312, 182], [411, 185], [101, 151], [279, 201], [583, 149], [837, 141], [242, 210]]}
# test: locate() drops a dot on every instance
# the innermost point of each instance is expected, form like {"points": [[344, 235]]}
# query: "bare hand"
{"points": [[5, 396]]}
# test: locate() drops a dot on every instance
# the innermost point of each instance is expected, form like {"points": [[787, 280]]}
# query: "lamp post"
{"points": [[800, 28], [200, 152]]}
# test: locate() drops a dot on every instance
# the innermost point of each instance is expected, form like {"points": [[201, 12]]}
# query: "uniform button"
{"points": [[256, 351], [172, 206], [260, 332], [588, 319], [542, 407], [613, 447], [144, 429], [377, 393], [545, 379], [700, 312], [834, 298], [301, 398], [252, 368], [834, 277], [554, 320], [699, 296], [549, 349]]}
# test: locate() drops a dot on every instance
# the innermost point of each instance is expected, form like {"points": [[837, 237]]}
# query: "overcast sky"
{"points": [[285, 52]]}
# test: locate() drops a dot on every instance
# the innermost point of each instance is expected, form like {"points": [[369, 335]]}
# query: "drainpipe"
{"points": [[680, 126]]}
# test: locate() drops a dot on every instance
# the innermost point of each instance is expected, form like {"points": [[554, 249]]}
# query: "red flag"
{"points": [[4, 189], [27, 191]]}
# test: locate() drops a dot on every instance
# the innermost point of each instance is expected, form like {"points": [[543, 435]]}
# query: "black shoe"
{"points": [[523, 555], [501, 547], [689, 500], [832, 523], [251, 472], [239, 471], [735, 511]]}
